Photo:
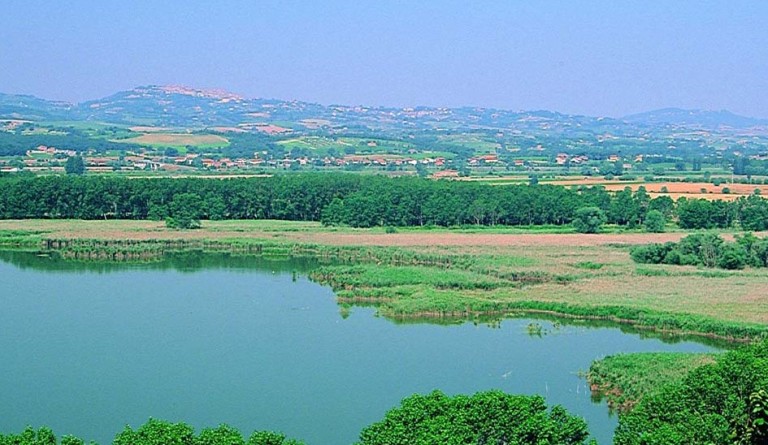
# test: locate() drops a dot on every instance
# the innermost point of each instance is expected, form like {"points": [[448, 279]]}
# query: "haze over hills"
{"points": [[179, 106], [694, 118]]}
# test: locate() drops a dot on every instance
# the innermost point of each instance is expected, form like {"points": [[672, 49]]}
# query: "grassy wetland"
{"points": [[452, 274]]}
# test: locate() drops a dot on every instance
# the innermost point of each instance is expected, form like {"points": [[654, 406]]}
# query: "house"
{"points": [[579, 159], [561, 159]]}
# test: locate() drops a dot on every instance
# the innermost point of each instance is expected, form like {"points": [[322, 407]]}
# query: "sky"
{"points": [[599, 58]]}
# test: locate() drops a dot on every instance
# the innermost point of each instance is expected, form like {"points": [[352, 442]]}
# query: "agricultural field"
{"points": [[178, 140], [691, 189]]}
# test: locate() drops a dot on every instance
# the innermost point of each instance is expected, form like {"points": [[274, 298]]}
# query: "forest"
{"points": [[365, 201]]}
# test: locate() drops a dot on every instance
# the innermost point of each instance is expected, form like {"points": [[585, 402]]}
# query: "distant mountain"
{"points": [[180, 106], [14, 106], [167, 106], [694, 118]]}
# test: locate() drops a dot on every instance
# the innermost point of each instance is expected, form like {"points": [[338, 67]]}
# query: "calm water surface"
{"points": [[87, 349]]}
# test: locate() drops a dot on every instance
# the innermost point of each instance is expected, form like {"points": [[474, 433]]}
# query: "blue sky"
{"points": [[589, 57]]}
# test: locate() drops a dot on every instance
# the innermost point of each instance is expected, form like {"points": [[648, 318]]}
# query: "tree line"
{"points": [[361, 201], [155, 432], [491, 417]]}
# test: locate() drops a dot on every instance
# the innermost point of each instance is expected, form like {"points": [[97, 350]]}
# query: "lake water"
{"points": [[87, 349]]}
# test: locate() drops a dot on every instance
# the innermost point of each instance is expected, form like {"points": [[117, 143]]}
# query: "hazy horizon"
{"points": [[596, 58]]}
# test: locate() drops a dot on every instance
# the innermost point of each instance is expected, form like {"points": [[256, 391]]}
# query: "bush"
{"points": [[485, 418], [732, 256], [651, 253], [706, 249]]}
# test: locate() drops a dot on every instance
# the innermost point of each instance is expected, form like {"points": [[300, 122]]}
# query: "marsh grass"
{"points": [[446, 280], [624, 379]]}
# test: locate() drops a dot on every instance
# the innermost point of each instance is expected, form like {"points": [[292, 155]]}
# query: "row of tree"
{"points": [[156, 432], [491, 417], [359, 201]]}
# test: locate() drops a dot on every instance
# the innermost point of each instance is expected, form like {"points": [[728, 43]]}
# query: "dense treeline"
{"points": [[156, 432], [356, 200], [484, 418], [721, 403]]}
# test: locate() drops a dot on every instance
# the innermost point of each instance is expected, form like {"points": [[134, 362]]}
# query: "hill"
{"points": [[694, 118], [192, 108]]}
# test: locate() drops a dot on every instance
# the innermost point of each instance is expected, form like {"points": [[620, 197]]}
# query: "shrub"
{"points": [[651, 253], [732, 256], [706, 249], [485, 418]]}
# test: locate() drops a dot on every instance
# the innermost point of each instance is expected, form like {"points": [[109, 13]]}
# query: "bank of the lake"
{"points": [[450, 274]]}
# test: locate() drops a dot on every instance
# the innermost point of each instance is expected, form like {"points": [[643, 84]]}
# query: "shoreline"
{"points": [[475, 301]]}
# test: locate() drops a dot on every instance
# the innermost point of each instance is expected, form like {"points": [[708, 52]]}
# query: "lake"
{"points": [[88, 348]]}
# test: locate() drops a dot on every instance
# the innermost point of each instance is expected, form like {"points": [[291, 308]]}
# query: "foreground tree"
{"points": [[485, 418]]}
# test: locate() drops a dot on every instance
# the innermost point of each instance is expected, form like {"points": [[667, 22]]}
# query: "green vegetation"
{"points": [[451, 282], [74, 165], [719, 403], [707, 249], [655, 221], [484, 418], [487, 417], [357, 201], [185, 212], [156, 432], [625, 379], [589, 220]]}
